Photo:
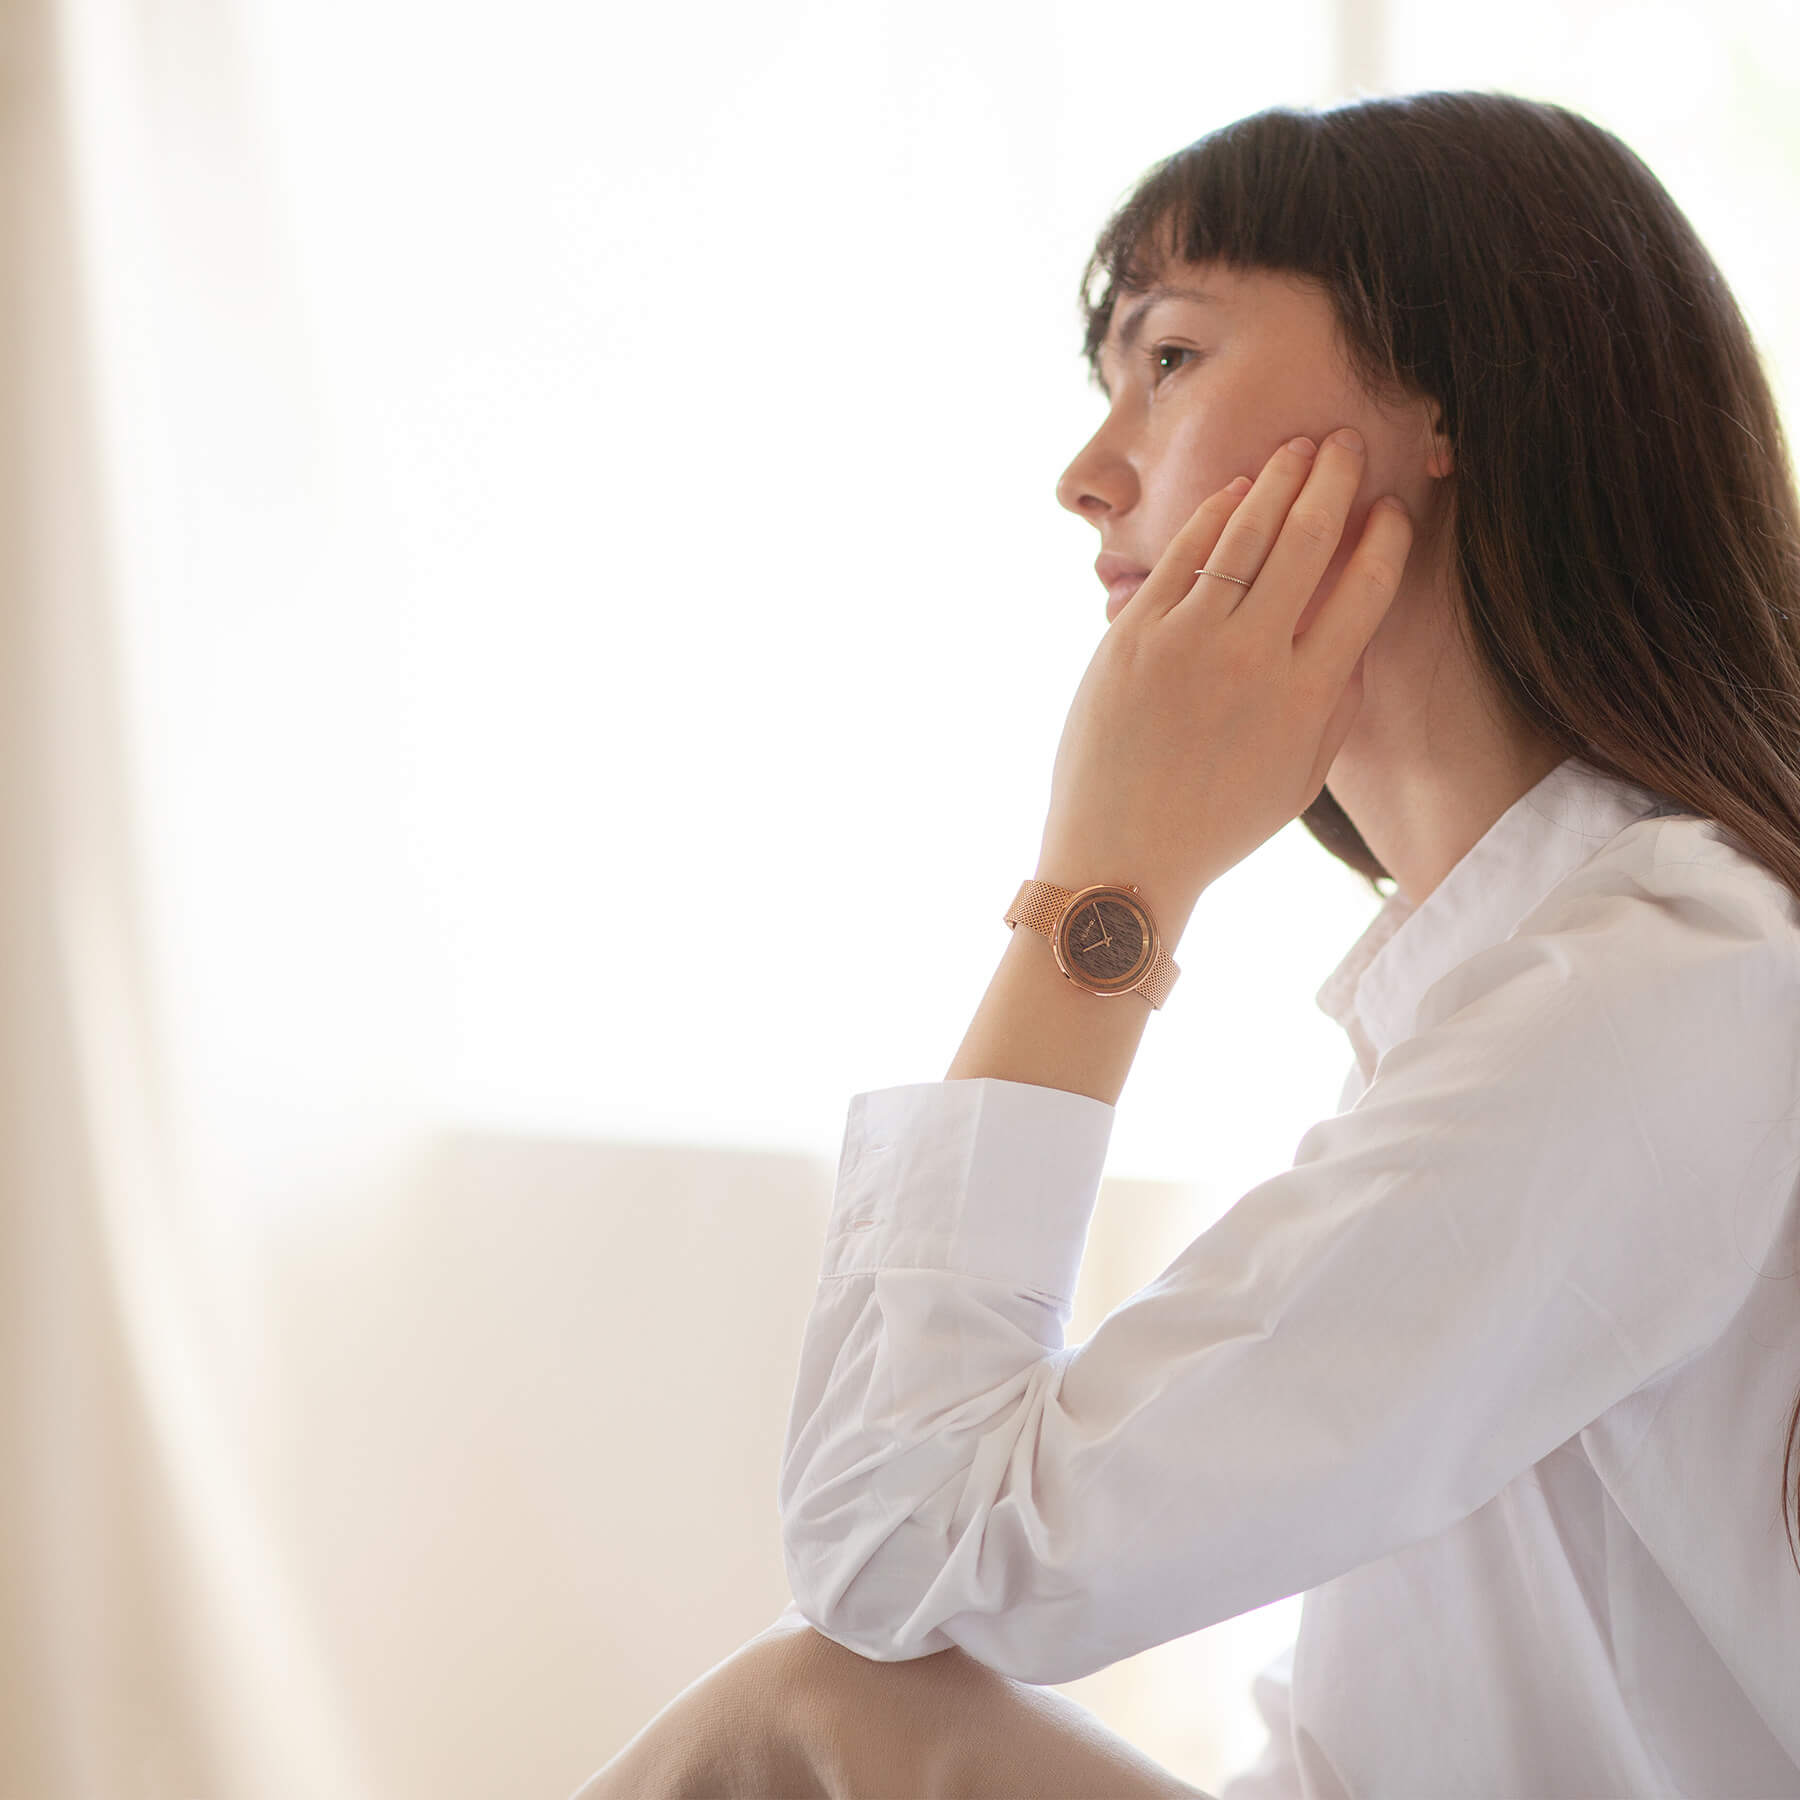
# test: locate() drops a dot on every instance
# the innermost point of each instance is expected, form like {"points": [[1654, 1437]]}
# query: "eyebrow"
{"points": [[1134, 320]]}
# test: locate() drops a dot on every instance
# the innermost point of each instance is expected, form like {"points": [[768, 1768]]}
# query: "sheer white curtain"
{"points": [[326, 1428], [152, 1643]]}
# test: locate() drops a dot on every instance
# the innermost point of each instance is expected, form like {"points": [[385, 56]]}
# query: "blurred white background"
{"points": [[690, 387], [577, 516]]}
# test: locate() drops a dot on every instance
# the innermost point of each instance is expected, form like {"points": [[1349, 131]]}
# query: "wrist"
{"points": [[1036, 1026]]}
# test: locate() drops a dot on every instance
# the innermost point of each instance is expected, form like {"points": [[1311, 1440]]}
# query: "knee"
{"points": [[727, 1731], [819, 1674], [793, 1659]]}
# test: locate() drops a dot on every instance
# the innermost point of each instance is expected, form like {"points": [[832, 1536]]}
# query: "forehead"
{"points": [[1222, 294]]}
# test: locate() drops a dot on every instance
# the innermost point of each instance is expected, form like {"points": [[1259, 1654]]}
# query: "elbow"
{"points": [[877, 1604], [844, 1599], [829, 1536], [819, 1576]]}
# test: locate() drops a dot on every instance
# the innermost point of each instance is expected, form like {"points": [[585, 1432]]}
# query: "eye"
{"points": [[1154, 356]]}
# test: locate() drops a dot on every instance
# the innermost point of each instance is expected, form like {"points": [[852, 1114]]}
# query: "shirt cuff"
{"points": [[989, 1178]]}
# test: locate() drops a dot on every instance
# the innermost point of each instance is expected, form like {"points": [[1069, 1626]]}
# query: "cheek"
{"points": [[1193, 462]]}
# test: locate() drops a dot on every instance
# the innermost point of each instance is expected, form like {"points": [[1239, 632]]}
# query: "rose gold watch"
{"points": [[1103, 936]]}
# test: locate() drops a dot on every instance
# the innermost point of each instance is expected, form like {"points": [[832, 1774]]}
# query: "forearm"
{"points": [[1035, 1025]]}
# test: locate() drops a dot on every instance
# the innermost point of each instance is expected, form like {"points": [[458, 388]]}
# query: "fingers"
{"points": [[1188, 550], [1341, 632], [1280, 536], [1286, 530]]}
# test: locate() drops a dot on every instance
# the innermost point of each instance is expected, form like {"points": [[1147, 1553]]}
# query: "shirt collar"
{"points": [[1544, 836]]}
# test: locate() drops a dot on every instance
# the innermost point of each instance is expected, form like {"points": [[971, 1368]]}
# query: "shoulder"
{"points": [[1675, 875], [1668, 911]]}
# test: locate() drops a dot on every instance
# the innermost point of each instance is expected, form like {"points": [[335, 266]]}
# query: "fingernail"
{"points": [[1241, 486], [1304, 446], [1349, 437]]}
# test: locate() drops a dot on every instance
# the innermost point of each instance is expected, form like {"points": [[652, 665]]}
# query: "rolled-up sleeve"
{"points": [[1557, 1187], [991, 1179]]}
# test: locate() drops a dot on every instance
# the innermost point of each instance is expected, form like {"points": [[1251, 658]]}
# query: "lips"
{"points": [[1120, 576], [1119, 593]]}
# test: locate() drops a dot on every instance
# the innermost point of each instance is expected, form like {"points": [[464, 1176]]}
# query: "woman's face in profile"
{"points": [[1207, 376]]}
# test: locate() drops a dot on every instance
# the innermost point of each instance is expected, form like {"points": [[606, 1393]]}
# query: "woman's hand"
{"points": [[1203, 724]]}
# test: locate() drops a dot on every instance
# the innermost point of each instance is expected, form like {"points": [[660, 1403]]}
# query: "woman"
{"points": [[1500, 1372]]}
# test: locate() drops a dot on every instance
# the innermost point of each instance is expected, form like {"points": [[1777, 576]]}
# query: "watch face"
{"points": [[1104, 940]]}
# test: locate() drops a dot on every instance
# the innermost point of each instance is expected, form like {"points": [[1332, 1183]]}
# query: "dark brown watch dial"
{"points": [[1105, 940]]}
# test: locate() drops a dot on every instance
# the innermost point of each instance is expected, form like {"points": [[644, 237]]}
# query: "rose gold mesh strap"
{"points": [[1040, 904]]}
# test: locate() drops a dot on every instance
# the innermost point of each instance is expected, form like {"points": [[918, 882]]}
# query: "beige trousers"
{"points": [[792, 1716]]}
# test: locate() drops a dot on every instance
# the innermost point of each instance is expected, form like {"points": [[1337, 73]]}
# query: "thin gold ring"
{"points": [[1223, 577]]}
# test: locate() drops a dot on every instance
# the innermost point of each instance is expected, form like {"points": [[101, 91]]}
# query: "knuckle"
{"points": [[1247, 655], [1381, 573], [1255, 536], [1317, 686], [1124, 644], [1314, 524]]}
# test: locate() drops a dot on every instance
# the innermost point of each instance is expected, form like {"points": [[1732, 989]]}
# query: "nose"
{"points": [[1099, 481]]}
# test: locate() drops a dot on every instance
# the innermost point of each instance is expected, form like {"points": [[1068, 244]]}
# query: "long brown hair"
{"points": [[1624, 527]]}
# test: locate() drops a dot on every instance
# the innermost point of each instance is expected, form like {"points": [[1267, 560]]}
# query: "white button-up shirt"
{"points": [[1497, 1374]]}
